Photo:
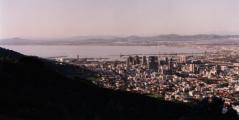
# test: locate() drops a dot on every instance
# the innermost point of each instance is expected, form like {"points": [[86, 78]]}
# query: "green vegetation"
{"points": [[222, 85], [209, 81], [156, 96]]}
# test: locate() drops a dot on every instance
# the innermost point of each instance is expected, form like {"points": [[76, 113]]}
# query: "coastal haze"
{"points": [[192, 24], [73, 51], [113, 47]]}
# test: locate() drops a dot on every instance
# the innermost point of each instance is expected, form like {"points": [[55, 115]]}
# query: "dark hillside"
{"points": [[31, 91], [9, 55]]}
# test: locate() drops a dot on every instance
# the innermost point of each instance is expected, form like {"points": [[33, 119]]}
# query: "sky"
{"points": [[65, 18]]}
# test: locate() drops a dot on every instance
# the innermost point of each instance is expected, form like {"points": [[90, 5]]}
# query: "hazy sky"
{"points": [[62, 18]]}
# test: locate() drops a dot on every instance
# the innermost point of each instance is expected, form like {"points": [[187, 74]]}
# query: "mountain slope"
{"points": [[9, 55], [31, 91]]}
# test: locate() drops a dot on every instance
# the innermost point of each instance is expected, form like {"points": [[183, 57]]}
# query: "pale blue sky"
{"points": [[63, 18]]}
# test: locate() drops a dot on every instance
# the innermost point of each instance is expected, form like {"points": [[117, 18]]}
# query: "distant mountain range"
{"points": [[130, 40]]}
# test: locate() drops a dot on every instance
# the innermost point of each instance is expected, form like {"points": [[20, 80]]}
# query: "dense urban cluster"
{"points": [[173, 77]]}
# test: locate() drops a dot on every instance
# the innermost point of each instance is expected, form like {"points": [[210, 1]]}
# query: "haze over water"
{"points": [[66, 18], [95, 51]]}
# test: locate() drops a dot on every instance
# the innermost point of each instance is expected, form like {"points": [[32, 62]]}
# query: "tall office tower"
{"points": [[166, 60], [161, 70], [170, 66], [171, 63], [182, 59], [129, 60], [218, 69], [192, 68], [153, 63], [144, 60], [136, 60]]}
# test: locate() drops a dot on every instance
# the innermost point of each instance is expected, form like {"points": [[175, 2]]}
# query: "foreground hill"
{"points": [[30, 91]]}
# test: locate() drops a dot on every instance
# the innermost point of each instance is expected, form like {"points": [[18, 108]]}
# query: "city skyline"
{"points": [[66, 18]]}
